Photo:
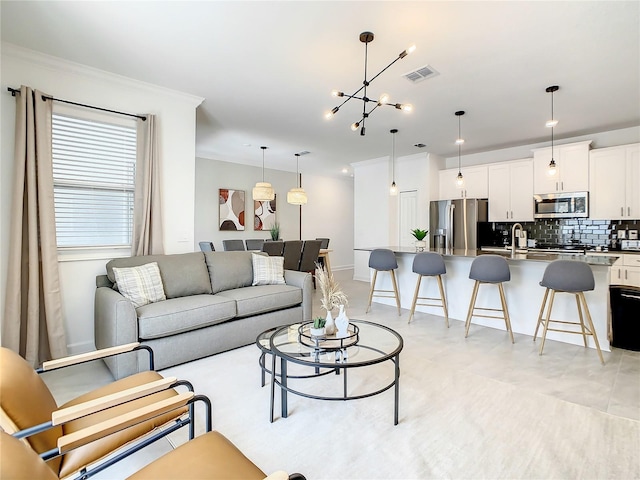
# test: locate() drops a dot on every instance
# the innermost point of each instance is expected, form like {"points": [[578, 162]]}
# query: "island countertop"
{"points": [[606, 259]]}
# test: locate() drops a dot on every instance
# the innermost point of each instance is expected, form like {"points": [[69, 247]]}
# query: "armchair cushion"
{"points": [[82, 456], [210, 456], [141, 285]]}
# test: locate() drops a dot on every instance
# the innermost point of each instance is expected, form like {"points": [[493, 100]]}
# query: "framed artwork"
{"points": [[231, 206], [264, 216]]}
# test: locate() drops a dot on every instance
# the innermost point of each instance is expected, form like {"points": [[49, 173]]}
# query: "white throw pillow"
{"points": [[141, 285], [267, 270]]}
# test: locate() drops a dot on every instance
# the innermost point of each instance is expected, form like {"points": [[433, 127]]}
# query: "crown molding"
{"points": [[58, 64]]}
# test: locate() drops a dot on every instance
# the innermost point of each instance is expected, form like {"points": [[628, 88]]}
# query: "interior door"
{"points": [[408, 217]]}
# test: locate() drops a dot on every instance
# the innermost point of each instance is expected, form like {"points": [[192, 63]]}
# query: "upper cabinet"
{"points": [[475, 183], [572, 168], [615, 183], [511, 191]]}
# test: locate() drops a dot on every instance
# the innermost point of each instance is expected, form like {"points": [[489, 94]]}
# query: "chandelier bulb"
{"points": [[354, 126], [337, 93], [384, 98]]}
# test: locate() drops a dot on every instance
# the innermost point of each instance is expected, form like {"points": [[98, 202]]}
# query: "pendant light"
{"points": [[459, 142], [297, 195], [263, 191], [393, 190], [552, 123]]}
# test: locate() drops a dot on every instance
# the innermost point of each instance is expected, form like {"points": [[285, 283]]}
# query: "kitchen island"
{"points": [[524, 293]]}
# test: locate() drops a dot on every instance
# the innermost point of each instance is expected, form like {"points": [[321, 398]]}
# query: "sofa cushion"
{"points": [[141, 285], [263, 298], [229, 270], [177, 315], [182, 274]]}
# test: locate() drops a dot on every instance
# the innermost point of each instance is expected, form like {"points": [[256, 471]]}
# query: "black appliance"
{"points": [[625, 321]]}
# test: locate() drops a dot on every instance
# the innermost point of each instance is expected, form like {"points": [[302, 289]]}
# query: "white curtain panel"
{"points": [[147, 210], [32, 323]]}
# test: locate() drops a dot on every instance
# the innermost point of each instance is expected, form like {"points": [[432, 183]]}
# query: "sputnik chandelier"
{"points": [[366, 38]]}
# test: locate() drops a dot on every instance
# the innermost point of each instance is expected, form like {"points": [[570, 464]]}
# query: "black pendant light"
{"points": [[459, 142], [393, 190], [551, 124]]}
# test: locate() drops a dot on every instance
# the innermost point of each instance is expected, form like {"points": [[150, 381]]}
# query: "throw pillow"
{"points": [[267, 270], [141, 285]]}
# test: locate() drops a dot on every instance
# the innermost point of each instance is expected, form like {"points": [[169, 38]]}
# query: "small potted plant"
{"points": [[420, 236], [275, 231], [317, 327]]}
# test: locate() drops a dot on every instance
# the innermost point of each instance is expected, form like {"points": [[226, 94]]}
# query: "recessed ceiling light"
{"points": [[344, 170]]}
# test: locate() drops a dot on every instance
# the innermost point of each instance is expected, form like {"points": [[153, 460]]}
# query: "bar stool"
{"points": [[574, 277], [429, 264], [489, 269], [384, 260]]}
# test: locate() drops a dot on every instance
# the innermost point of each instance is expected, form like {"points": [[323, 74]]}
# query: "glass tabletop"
{"points": [[367, 343]]}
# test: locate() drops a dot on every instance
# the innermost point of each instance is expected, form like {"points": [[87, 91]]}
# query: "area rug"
{"points": [[452, 424]]}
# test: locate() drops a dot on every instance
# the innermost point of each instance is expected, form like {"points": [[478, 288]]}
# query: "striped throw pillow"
{"points": [[267, 270], [141, 285]]}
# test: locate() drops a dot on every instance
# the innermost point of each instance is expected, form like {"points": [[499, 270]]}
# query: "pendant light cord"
{"points": [[552, 118], [298, 183], [459, 145]]}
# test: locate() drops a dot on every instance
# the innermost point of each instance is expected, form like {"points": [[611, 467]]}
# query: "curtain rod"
{"points": [[44, 97]]}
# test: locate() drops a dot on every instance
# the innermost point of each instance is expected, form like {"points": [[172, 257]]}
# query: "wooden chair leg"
{"points": [[582, 328], [591, 327], [444, 300], [395, 289], [415, 298], [472, 304], [544, 302], [505, 311], [546, 322], [373, 286]]}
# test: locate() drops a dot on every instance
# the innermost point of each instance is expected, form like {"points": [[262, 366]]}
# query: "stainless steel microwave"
{"points": [[561, 205]]}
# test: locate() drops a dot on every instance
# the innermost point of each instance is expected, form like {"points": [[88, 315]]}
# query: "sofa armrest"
{"points": [[116, 323], [302, 280]]}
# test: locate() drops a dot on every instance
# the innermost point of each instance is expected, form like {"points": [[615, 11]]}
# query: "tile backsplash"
{"points": [[595, 233]]}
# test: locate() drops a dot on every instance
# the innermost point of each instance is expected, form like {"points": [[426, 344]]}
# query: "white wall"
{"points": [[328, 213], [176, 144]]}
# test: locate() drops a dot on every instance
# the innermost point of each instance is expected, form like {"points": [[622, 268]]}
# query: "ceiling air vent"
{"points": [[420, 74]]}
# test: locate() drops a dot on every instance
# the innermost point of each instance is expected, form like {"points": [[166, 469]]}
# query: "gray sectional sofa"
{"points": [[210, 307]]}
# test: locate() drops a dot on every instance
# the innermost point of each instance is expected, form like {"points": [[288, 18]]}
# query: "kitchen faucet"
{"points": [[513, 236]]}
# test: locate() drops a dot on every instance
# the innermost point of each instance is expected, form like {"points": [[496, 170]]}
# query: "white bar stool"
{"points": [[384, 260], [429, 264], [574, 277], [489, 269]]}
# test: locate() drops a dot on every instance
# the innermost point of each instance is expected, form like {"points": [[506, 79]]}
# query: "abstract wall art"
{"points": [[231, 209], [264, 214]]}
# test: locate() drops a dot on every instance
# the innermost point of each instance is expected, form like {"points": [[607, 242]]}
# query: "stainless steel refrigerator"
{"points": [[459, 224]]}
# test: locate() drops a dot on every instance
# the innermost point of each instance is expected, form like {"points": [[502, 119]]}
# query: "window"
{"points": [[93, 180]]}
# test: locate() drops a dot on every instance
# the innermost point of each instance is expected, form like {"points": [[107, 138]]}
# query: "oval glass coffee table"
{"points": [[297, 357]]}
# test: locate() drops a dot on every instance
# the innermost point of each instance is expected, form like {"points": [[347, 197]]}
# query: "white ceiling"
{"points": [[266, 69]]}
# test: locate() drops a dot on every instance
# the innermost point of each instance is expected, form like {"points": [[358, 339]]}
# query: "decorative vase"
{"points": [[342, 323], [330, 325], [420, 245]]}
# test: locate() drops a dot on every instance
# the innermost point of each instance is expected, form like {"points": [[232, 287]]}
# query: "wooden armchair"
{"points": [[58, 433]]}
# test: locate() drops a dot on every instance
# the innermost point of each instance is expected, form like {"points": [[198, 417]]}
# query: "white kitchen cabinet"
{"points": [[511, 191], [615, 183], [572, 168], [475, 183], [626, 271]]}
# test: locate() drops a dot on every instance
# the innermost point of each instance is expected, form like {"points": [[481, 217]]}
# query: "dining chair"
{"points": [[207, 247], [254, 243], [273, 248], [292, 253], [325, 242], [233, 245], [309, 258]]}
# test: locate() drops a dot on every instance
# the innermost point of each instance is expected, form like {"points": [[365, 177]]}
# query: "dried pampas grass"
{"points": [[332, 296]]}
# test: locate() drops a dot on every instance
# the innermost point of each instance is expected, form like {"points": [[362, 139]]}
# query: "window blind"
{"points": [[93, 181]]}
